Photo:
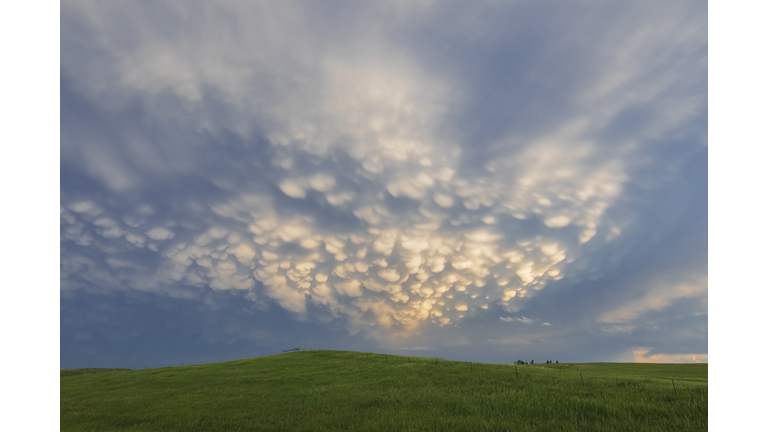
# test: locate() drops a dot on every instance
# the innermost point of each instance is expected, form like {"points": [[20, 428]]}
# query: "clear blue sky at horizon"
{"points": [[485, 181]]}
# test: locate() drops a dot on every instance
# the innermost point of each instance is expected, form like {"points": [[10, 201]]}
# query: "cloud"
{"points": [[159, 233], [618, 329], [523, 320], [325, 164], [641, 356], [656, 299]]}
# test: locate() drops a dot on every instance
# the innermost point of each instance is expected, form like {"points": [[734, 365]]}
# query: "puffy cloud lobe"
{"points": [[159, 233], [293, 189], [413, 187]]}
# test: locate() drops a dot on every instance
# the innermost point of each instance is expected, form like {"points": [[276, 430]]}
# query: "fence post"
{"points": [[582, 379], [673, 385], [516, 374]]}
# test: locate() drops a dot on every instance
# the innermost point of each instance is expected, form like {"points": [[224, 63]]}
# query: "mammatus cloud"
{"points": [[641, 356], [356, 200]]}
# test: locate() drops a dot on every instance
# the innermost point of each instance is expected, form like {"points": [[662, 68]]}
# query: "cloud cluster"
{"points": [[346, 190], [641, 356]]}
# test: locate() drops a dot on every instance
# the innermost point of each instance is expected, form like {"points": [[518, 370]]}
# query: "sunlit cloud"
{"points": [[641, 356]]}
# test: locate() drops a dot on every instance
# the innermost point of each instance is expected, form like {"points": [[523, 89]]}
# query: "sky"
{"points": [[485, 181]]}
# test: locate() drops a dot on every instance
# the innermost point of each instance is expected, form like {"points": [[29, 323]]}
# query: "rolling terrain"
{"points": [[342, 390]]}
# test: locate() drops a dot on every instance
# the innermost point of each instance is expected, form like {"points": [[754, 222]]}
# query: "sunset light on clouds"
{"points": [[485, 180]]}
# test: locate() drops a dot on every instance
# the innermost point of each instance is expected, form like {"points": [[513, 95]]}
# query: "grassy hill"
{"points": [[336, 390]]}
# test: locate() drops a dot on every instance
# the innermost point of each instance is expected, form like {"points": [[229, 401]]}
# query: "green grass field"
{"points": [[333, 390]]}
